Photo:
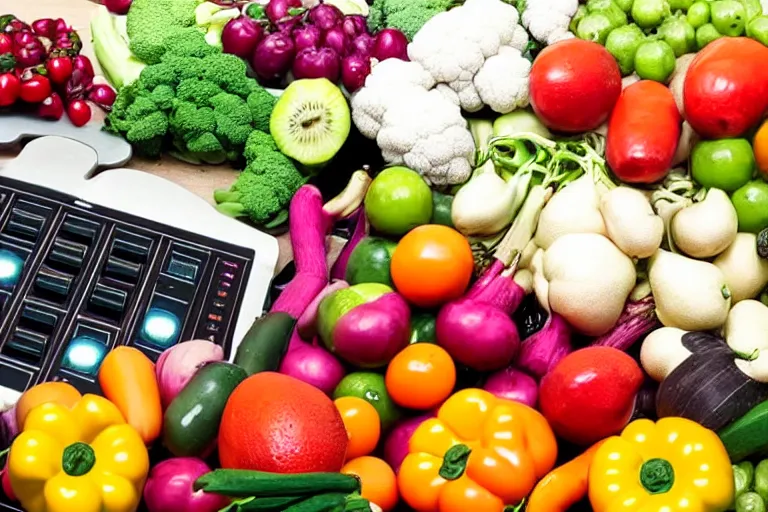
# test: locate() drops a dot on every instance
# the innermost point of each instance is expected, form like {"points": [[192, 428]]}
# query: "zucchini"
{"points": [[265, 344], [441, 209], [191, 421], [747, 435], [320, 503], [276, 504], [242, 483]]}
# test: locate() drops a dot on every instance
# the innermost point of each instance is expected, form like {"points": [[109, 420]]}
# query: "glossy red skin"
{"points": [[35, 89], [59, 69], [5, 483], [10, 86], [574, 85], [6, 44], [725, 92], [590, 394], [79, 112], [643, 133]]}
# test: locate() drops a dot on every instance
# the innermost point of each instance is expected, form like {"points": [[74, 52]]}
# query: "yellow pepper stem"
{"points": [[455, 462], [657, 476], [78, 459]]}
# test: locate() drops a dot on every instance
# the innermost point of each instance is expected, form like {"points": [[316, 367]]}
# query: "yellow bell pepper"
{"points": [[669, 466], [80, 459]]}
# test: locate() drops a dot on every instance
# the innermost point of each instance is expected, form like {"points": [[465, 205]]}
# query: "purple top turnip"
{"points": [[240, 36], [317, 63], [169, 487], [513, 384], [273, 56]]}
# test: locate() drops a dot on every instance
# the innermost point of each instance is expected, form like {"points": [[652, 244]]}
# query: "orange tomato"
{"points": [[362, 423], [379, 483], [760, 146], [60, 392], [421, 376], [432, 265]]}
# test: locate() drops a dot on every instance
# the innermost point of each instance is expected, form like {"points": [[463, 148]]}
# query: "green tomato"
{"points": [[397, 201], [729, 17], [594, 27], [698, 14], [757, 29], [680, 5], [580, 13], [749, 502], [622, 43], [679, 34], [727, 164], [705, 34], [650, 13], [626, 5], [753, 8], [654, 60], [751, 203], [612, 11]]}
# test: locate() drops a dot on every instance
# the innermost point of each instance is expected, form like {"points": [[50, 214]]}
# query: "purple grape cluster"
{"points": [[319, 42]]}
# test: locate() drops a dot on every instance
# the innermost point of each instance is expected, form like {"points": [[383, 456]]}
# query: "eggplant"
{"points": [[708, 387]]}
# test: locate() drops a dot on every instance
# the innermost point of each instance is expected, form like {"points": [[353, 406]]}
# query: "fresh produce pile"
{"points": [[42, 71], [553, 296]]}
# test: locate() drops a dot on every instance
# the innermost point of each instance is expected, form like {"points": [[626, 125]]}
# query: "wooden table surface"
{"points": [[201, 180]]}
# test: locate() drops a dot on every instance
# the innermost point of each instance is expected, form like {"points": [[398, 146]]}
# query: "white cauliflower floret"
{"points": [[548, 20], [503, 81], [456, 45]]}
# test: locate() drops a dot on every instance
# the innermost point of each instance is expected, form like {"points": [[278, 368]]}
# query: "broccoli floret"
{"points": [[158, 74], [233, 118], [262, 103], [405, 15], [148, 132], [163, 96], [264, 189], [188, 121], [188, 43], [150, 22], [228, 72], [197, 91]]}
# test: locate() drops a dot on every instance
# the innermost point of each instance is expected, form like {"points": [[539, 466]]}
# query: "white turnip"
{"points": [[746, 273], [631, 222], [707, 227]]}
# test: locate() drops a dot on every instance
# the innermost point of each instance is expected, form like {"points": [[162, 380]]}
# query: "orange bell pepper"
{"points": [[480, 454]]}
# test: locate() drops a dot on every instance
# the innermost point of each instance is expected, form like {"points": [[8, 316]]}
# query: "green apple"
{"points": [[397, 201]]}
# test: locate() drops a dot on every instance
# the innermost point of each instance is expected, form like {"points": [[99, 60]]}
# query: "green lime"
{"points": [[726, 164], [751, 203], [698, 14], [370, 260], [370, 387], [397, 201], [654, 60]]}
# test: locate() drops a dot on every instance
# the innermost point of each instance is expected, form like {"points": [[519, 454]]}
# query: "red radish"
{"points": [[83, 64], [45, 27], [307, 36], [574, 85], [335, 39], [513, 384], [79, 112], [51, 108], [6, 44], [103, 96], [363, 45], [390, 44], [725, 92], [35, 89], [240, 36], [590, 394], [28, 49], [643, 133], [325, 16], [277, 10], [317, 63], [10, 87], [59, 69], [273, 56], [61, 27], [118, 6]]}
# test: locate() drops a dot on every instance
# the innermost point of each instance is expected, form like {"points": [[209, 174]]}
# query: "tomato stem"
{"points": [[455, 462]]}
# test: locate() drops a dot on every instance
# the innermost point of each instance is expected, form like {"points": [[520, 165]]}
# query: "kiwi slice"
{"points": [[311, 121]]}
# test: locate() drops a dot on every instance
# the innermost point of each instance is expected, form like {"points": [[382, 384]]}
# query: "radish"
{"points": [[170, 486], [178, 364], [544, 349], [513, 384]]}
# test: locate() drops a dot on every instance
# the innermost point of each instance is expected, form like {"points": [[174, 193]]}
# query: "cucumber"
{"points": [[320, 503], [265, 343], [191, 421], [423, 327], [276, 504], [748, 435], [441, 209], [242, 483]]}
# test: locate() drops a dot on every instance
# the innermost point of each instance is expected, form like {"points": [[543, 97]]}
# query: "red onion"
{"points": [[103, 96], [317, 63], [354, 25], [307, 36], [61, 27], [363, 44], [78, 85], [354, 70], [390, 44], [273, 56], [29, 50], [335, 39], [512, 384], [541, 351], [276, 10], [117, 6], [83, 63], [51, 108], [240, 36], [45, 27], [325, 16]]}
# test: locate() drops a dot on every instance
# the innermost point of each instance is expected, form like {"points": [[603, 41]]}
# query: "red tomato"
{"points": [[10, 86], [59, 69], [432, 265], [6, 44], [574, 85], [35, 89], [79, 112]]}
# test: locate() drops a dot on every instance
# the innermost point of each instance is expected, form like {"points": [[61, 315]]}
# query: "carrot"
{"points": [[564, 486], [127, 378]]}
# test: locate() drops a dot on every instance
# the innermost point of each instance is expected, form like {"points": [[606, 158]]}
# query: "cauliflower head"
{"points": [[548, 20]]}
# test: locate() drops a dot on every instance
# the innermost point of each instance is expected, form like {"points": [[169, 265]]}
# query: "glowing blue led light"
{"points": [[10, 267], [84, 354], [160, 327]]}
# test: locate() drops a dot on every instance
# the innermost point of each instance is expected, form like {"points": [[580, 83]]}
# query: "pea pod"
{"points": [[761, 479], [750, 502]]}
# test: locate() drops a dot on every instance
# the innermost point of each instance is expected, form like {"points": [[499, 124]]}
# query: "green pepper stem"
{"points": [[657, 476], [455, 462], [78, 459]]}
